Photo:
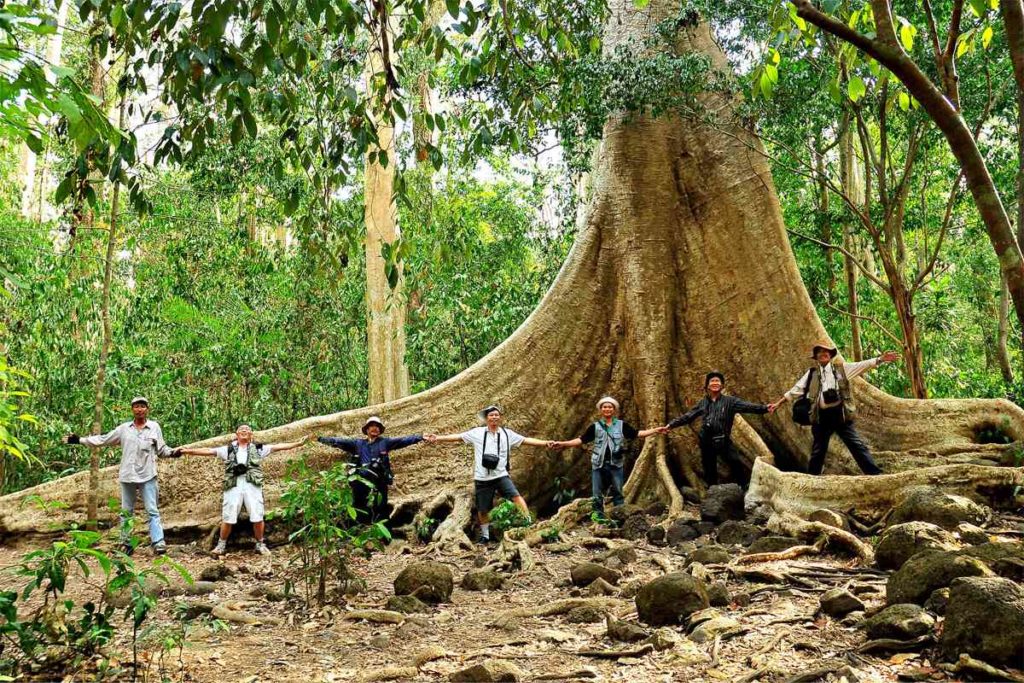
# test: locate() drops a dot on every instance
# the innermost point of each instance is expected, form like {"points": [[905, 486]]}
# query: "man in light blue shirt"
{"points": [[142, 442]]}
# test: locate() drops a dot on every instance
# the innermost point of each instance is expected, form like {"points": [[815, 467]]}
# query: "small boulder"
{"points": [[620, 513], [706, 631], [635, 527], [657, 535], [900, 622], [624, 631], [626, 554], [828, 517], [711, 554], [900, 542], [215, 572], [585, 573], [491, 671], [985, 619], [928, 571], [669, 599], [1005, 559], [482, 580], [733, 532], [718, 594], [584, 614], [931, 504], [600, 587], [971, 534], [406, 604], [937, 602], [681, 530], [772, 544], [664, 639], [722, 503], [839, 602], [428, 580]]}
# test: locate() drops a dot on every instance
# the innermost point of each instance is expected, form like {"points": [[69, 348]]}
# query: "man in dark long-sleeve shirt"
{"points": [[370, 456], [718, 411]]}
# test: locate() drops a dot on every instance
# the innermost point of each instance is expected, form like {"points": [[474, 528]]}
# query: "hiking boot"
{"points": [[222, 548], [262, 548], [483, 539], [127, 549], [160, 548]]}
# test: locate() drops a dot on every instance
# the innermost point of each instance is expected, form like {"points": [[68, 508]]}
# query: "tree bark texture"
{"points": [[385, 306], [848, 181], [681, 264]]}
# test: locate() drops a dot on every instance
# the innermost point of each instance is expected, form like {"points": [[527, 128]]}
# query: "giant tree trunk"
{"points": [[681, 264]]}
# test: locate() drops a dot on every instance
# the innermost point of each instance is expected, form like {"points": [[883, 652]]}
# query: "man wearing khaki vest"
{"points": [[827, 384]]}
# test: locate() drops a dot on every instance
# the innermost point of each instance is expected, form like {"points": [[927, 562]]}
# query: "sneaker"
{"points": [[127, 549], [483, 539], [160, 548], [262, 548], [222, 547]]}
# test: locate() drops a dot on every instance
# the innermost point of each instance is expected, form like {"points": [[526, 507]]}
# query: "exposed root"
{"points": [[893, 645], [514, 554], [390, 673], [377, 616], [613, 605], [235, 612], [871, 497], [970, 665], [569, 516], [791, 525], [618, 654], [787, 554]]}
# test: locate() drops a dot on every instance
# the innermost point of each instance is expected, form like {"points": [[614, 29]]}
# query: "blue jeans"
{"points": [[605, 477], [149, 493]]}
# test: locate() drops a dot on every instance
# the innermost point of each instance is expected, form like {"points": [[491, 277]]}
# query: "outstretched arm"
{"points": [[742, 406], [397, 442], [289, 445], [686, 418], [644, 433], [347, 445], [530, 441], [197, 451], [442, 438], [111, 438]]}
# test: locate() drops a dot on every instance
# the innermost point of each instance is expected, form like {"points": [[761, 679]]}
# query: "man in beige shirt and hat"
{"points": [[826, 385]]}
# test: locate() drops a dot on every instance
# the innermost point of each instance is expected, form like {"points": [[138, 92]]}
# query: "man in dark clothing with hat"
{"points": [[827, 384], [373, 463], [718, 411]]}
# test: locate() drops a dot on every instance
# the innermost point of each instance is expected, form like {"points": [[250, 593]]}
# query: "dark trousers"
{"points": [[605, 477], [371, 502], [830, 421], [711, 450]]}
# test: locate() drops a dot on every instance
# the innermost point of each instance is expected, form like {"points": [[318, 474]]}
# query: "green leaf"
{"points": [[904, 100], [640, 4], [979, 8], [856, 88], [34, 143], [907, 33], [453, 8]]}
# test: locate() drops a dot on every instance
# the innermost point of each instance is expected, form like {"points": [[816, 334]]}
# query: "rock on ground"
{"points": [[722, 503], [585, 573], [927, 572], [931, 504], [491, 671], [734, 532], [669, 599], [772, 544], [482, 580], [985, 619], [406, 604], [900, 622], [839, 602], [900, 542], [428, 580]]}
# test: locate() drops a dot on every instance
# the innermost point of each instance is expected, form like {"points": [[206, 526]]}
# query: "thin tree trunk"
{"points": [[1002, 350], [101, 370], [848, 180], [385, 325], [903, 301], [826, 218]]}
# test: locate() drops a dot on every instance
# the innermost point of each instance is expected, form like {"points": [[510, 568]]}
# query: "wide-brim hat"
{"points": [[373, 420], [491, 408], [824, 346], [608, 399], [140, 399], [711, 375]]}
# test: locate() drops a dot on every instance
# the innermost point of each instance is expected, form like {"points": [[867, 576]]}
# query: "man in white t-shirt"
{"points": [[492, 444], [243, 482]]}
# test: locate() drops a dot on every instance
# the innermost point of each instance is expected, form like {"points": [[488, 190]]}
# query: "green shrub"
{"points": [[508, 516]]}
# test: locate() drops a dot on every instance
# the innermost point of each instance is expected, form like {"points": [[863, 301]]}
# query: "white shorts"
{"points": [[244, 493]]}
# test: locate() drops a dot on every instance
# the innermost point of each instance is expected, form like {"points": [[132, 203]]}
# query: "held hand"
{"points": [[430, 438], [176, 453], [305, 438], [663, 429], [72, 439], [889, 356], [772, 407]]}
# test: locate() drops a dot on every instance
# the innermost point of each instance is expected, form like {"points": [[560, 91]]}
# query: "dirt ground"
{"points": [[780, 636]]}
